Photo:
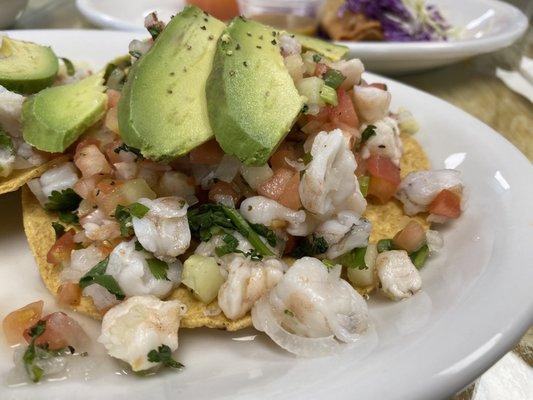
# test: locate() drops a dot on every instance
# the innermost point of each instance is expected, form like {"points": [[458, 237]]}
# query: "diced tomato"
{"points": [[221, 9], [446, 204], [16, 322], [411, 238], [381, 189], [320, 69], [274, 187], [113, 96], [61, 249], [60, 331], [290, 197], [344, 112], [69, 294], [90, 160], [85, 187], [287, 150], [382, 167], [222, 188], [208, 153]]}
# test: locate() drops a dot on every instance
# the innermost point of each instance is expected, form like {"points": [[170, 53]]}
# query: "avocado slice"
{"points": [[163, 110], [54, 118], [251, 97], [330, 50], [26, 67]]}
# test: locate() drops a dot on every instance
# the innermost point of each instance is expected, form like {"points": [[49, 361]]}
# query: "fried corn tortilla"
{"points": [[21, 176], [386, 221]]}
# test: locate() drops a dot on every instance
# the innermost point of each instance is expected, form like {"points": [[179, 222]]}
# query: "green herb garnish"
{"points": [[329, 95], [267, 233], [64, 201], [158, 268], [126, 148], [385, 245], [96, 275], [317, 57], [334, 78], [369, 131], [163, 355], [68, 218], [124, 215], [58, 229], [420, 256], [309, 247], [328, 263], [5, 141], [353, 259], [34, 372], [307, 158]]}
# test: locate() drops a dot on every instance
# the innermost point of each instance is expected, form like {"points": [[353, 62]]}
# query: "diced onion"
{"points": [[228, 168], [255, 176], [434, 240], [264, 320]]}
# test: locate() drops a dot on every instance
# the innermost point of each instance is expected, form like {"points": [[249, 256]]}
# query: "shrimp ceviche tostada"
{"points": [[220, 176]]}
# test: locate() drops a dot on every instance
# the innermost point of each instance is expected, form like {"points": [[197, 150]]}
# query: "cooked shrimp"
{"points": [[344, 233], [262, 210], [99, 226], [398, 276], [139, 325], [62, 177], [329, 184], [131, 270], [385, 142], [81, 261], [164, 230], [418, 189], [311, 302], [27, 156], [10, 111], [352, 71], [90, 161], [372, 103], [247, 281]]}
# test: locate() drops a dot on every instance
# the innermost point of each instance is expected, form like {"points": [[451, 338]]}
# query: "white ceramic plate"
{"points": [[126, 15], [486, 26], [475, 304]]}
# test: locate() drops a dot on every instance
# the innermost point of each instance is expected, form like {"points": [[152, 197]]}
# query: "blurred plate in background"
{"points": [[484, 26]]}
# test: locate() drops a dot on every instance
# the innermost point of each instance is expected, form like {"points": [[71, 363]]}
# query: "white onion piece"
{"points": [[255, 176], [434, 240], [297, 165], [264, 320], [228, 168]]}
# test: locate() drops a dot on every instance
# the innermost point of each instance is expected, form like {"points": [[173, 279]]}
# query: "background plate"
{"points": [[475, 304]]}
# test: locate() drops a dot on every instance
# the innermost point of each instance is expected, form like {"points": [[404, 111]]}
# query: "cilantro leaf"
{"points": [[333, 78], [230, 246], [354, 259], [96, 275], [369, 131], [328, 263], [64, 201], [163, 355], [317, 57], [5, 141], [139, 246], [124, 214], [385, 245], [310, 247], [68, 218], [267, 233], [58, 229], [37, 329], [34, 372], [158, 268], [420, 256], [126, 148]]}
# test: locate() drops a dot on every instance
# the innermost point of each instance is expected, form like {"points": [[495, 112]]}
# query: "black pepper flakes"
{"points": [[184, 69], [189, 47], [232, 73], [249, 34], [259, 47], [172, 74], [382, 146], [203, 27], [211, 37], [169, 91], [206, 20], [261, 37], [274, 42], [274, 33], [238, 47], [245, 63]]}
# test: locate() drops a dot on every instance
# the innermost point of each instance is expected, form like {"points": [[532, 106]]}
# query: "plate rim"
{"points": [[510, 333]]}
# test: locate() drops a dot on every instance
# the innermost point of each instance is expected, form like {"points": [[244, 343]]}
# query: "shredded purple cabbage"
{"points": [[402, 23]]}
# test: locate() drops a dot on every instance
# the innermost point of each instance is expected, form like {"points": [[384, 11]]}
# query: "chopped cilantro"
{"points": [[64, 201], [420, 256], [96, 275], [333, 78], [305, 108], [307, 158], [158, 268], [34, 372], [310, 247], [229, 247], [163, 355], [385, 245], [68, 218], [354, 259], [267, 233], [328, 263], [368, 132], [317, 57], [124, 214], [125, 147], [139, 246], [58, 229], [5, 141]]}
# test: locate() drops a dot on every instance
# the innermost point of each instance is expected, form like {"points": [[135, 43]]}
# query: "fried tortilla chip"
{"points": [[386, 219], [21, 176]]}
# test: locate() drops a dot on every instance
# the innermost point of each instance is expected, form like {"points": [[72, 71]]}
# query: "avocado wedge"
{"points": [[334, 52], [26, 67], [54, 118], [251, 97], [163, 108]]}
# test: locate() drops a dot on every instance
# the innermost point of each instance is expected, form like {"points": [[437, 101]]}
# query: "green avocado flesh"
{"points": [[54, 118], [26, 67], [251, 98], [332, 51], [163, 108]]}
